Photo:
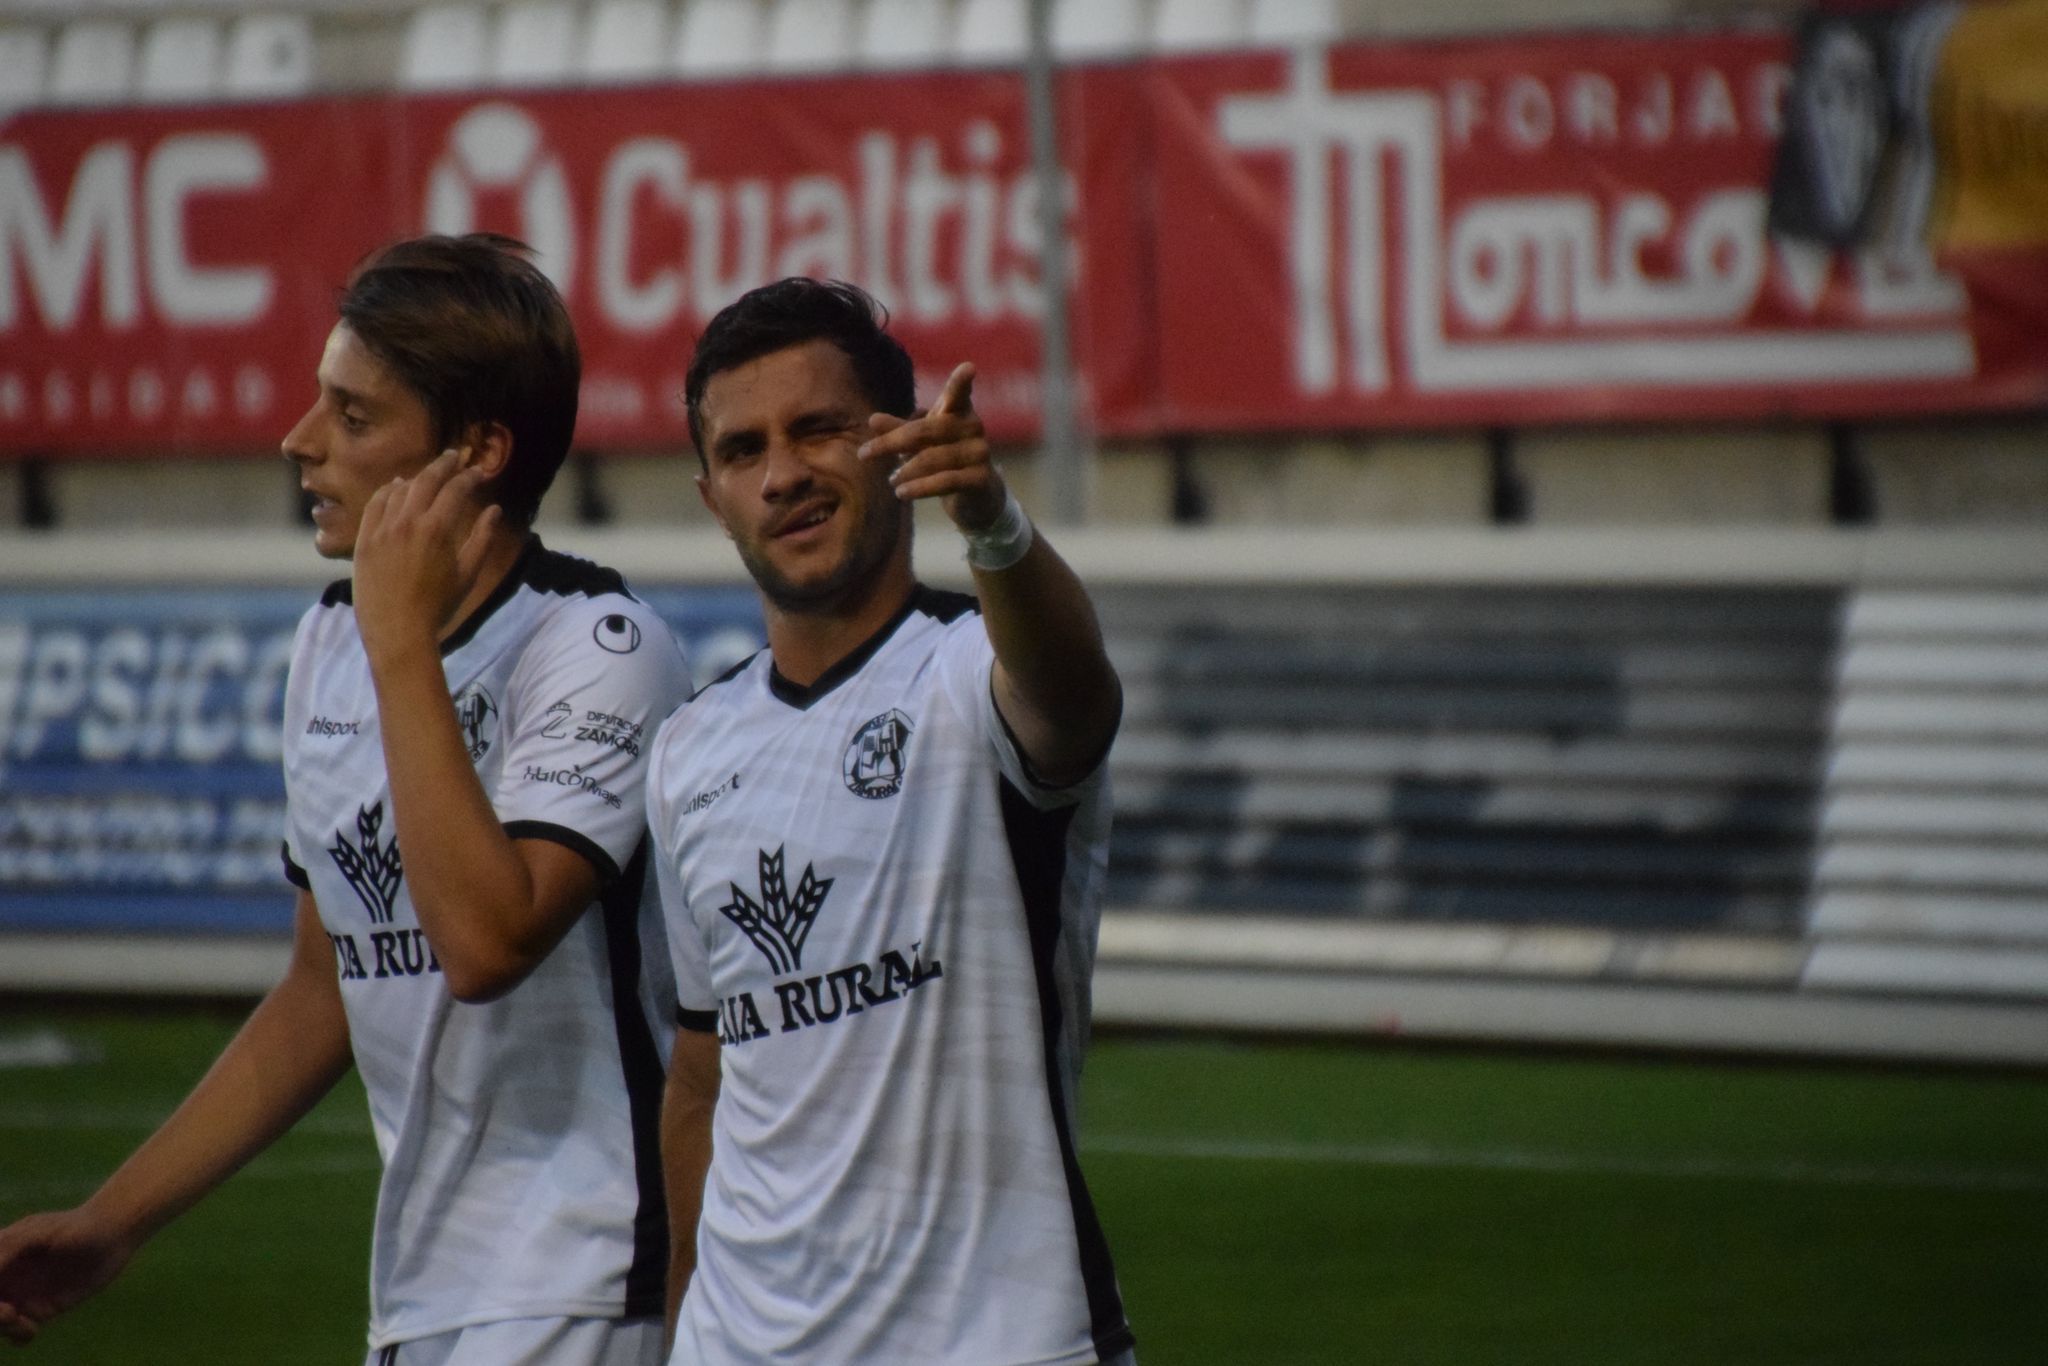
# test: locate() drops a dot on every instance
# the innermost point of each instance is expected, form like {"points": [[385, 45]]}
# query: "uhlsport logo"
{"points": [[496, 149], [874, 759], [372, 867], [618, 634], [709, 795], [780, 921], [477, 714]]}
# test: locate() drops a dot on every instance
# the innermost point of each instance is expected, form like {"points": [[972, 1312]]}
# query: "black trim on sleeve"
{"points": [[1038, 852], [697, 1021], [544, 571], [944, 606], [550, 571], [640, 1061], [573, 840], [1024, 759], [538, 568], [297, 876]]}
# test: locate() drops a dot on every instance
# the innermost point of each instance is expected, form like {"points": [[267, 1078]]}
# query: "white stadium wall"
{"points": [[1746, 791]]}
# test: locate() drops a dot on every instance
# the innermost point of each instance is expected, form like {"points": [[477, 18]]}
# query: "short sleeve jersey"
{"points": [[520, 1138], [891, 925]]}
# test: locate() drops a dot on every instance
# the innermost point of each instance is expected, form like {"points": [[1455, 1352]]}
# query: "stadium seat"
{"points": [[24, 59], [180, 61], [991, 32], [903, 34], [810, 35], [533, 42], [1198, 25], [625, 40], [94, 63], [720, 38], [444, 48], [1096, 28], [1295, 21], [270, 56]]}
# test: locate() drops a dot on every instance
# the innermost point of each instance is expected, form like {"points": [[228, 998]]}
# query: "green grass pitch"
{"points": [[1271, 1204]]}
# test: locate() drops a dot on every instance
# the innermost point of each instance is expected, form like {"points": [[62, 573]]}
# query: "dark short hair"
{"points": [[797, 310], [471, 326]]}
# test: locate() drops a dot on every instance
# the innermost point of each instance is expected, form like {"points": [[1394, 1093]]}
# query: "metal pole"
{"points": [[1068, 469]]}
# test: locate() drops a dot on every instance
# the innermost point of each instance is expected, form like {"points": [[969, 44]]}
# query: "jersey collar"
{"points": [[502, 594], [802, 698]]}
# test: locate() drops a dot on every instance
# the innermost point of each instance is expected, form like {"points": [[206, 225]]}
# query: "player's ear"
{"points": [[487, 448], [704, 492]]}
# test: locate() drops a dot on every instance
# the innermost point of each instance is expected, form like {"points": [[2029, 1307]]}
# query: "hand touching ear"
{"points": [[421, 547]]}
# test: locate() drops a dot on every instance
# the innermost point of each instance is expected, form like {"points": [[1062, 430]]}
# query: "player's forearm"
{"points": [[473, 894], [685, 1158], [1063, 698], [687, 1105], [287, 1055]]}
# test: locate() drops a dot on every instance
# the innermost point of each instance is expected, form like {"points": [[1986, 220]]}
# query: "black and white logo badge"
{"points": [[477, 714], [619, 634], [1843, 121], [781, 920], [874, 760], [371, 867], [560, 717]]}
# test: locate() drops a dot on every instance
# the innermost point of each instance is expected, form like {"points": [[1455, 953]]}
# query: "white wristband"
{"points": [[1003, 544]]}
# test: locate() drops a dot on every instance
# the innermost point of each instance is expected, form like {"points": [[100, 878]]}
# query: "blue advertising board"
{"points": [[139, 748]]}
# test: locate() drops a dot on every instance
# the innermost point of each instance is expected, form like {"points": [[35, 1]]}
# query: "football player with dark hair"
{"points": [[881, 843]]}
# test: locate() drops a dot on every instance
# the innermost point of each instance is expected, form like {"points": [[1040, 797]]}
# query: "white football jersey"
{"points": [[891, 924], [520, 1138]]}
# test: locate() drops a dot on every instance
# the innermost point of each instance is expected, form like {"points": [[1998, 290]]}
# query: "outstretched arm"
{"points": [[1054, 684], [288, 1054]]}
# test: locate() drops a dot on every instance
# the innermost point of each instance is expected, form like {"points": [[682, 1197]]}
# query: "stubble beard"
{"points": [[886, 523]]}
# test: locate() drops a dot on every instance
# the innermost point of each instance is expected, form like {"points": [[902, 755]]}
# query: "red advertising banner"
{"points": [[166, 277], [1457, 233], [1549, 229]]}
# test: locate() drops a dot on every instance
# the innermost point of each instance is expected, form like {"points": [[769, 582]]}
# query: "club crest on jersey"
{"points": [[371, 867], [781, 920], [477, 714], [874, 760]]}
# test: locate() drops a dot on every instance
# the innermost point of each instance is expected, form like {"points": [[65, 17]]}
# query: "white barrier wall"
{"points": [[1750, 791], [1933, 867]]}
